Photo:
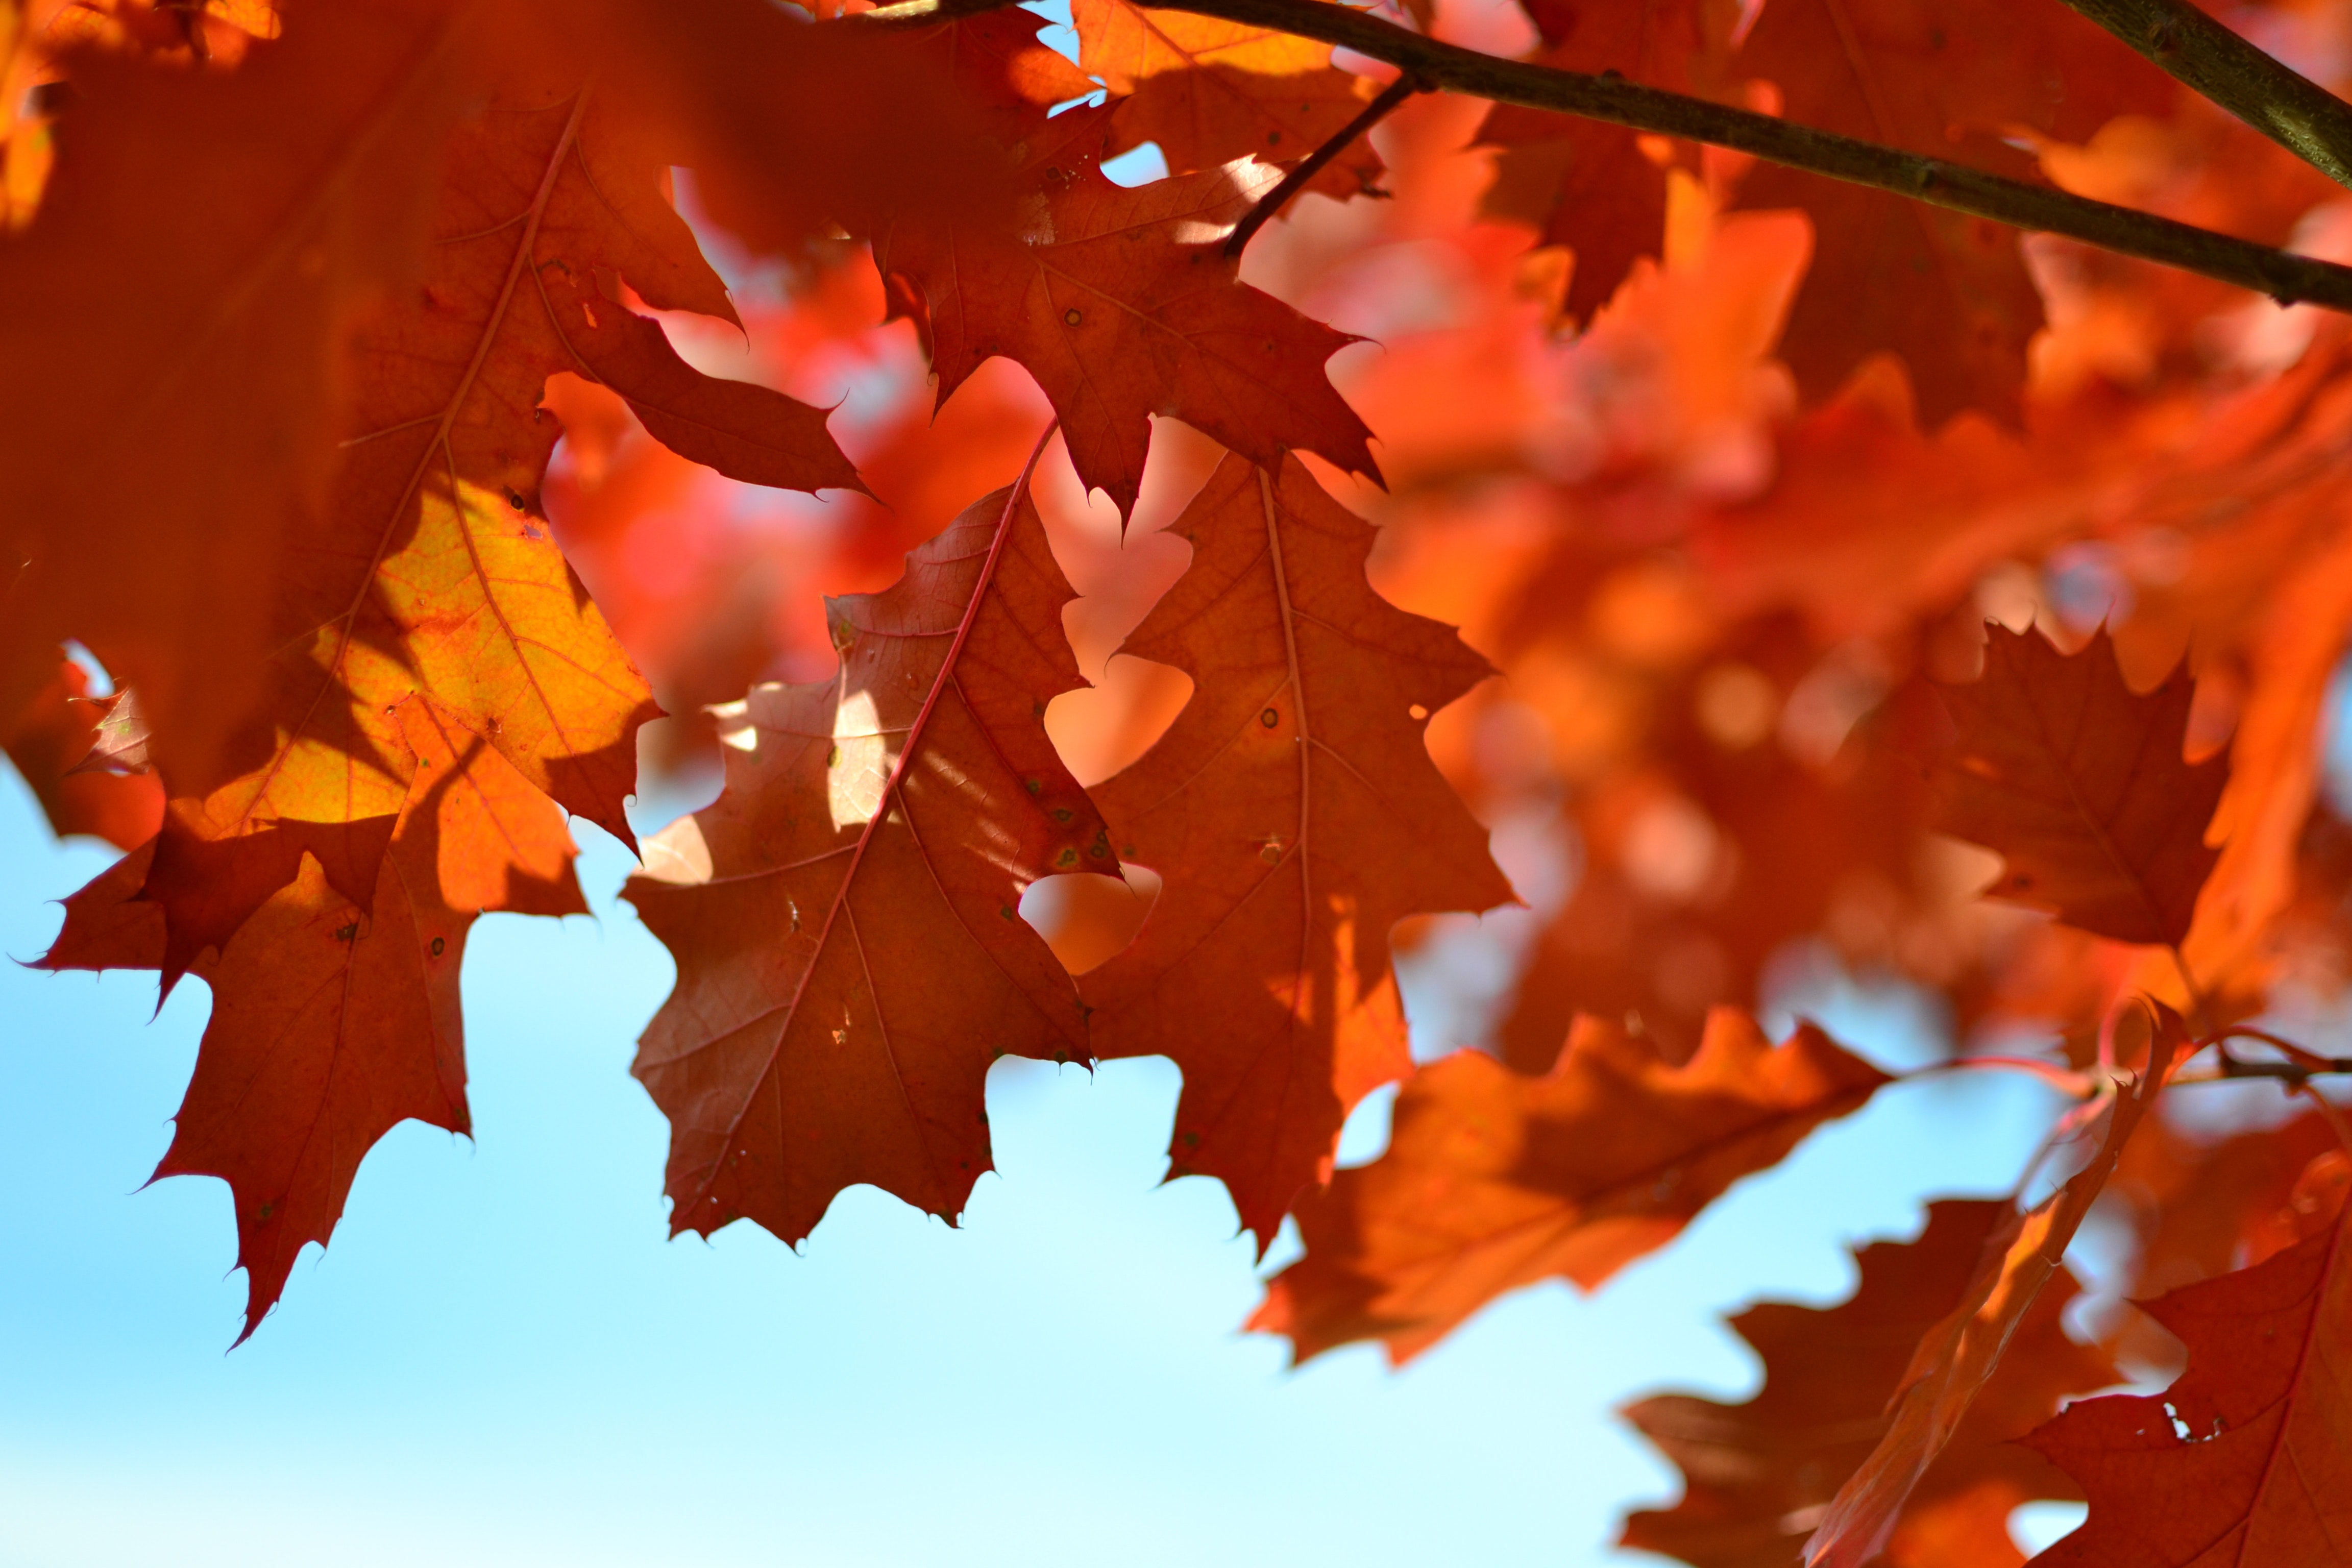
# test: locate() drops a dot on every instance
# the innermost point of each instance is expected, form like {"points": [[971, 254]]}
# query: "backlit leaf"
{"points": [[1295, 816], [846, 919], [1493, 1180]]}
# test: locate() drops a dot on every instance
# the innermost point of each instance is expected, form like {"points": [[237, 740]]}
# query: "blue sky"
{"points": [[501, 1361]]}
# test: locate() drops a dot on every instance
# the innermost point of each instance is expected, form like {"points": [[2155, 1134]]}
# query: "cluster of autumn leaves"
{"points": [[1724, 469]]}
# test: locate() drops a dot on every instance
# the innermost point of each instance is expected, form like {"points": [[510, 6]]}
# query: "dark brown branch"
{"points": [[2286, 278], [2290, 108], [2295, 1074], [1257, 218], [922, 13]]}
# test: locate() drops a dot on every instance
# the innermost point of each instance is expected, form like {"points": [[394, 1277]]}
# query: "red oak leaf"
{"points": [[1755, 1475], [1494, 1180], [2247, 1459], [186, 415], [334, 1020], [1957, 1358], [1594, 187], [1123, 305], [1950, 78], [1209, 91], [1295, 816], [846, 919], [2078, 782]]}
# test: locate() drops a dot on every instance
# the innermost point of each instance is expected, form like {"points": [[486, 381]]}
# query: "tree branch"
{"points": [[2294, 1075], [921, 12], [1396, 92], [2296, 1072], [2279, 1043], [2290, 108], [2286, 278]]}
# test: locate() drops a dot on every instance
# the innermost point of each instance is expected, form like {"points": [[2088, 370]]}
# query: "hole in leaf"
{"points": [[2036, 1527], [1100, 730], [1087, 918]]}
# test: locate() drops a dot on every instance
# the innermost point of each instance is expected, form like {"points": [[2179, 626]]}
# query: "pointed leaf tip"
{"points": [[2079, 784]]}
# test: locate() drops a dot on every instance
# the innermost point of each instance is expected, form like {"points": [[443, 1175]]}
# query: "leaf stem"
{"points": [[2294, 1075], [2289, 108], [2286, 278], [1396, 92]]}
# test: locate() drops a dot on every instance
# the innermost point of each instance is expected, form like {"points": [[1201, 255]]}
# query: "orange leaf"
{"points": [[1951, 78], [432, 570], [2278, 753], [333, 1022], [998, 61], [1755, 1474], [1706, 844], [164, 425], [208, 886], [846, 919], [792, 130], [107, 924], [1958, 1357], [1494, 1180], [1296, 815], [2311, 1205], [55, 742], [2247, 1459], [2203, 1209], [1123, 305], [1209, 91], [202, 32], [2079, 782], [1583, 184]]}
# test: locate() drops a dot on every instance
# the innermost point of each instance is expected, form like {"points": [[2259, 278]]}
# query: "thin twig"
{"points": [[2292, 1074], [2307, 1057], [2290, 108], [2286, 278], [923, 13], [2302, 1061], [2067, 1080], [1268, 205]]}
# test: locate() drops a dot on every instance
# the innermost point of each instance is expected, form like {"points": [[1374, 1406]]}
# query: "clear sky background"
{"points": [[502, 1361]]}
